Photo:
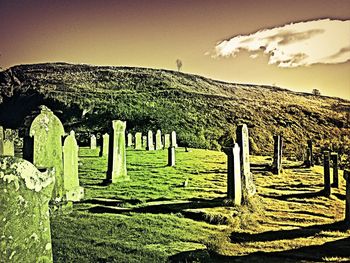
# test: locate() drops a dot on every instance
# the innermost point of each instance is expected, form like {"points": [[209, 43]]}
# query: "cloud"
{"points": [[298, 44]]}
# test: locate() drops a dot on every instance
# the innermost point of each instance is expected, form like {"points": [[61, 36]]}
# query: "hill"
{"points": [[204, 112]]}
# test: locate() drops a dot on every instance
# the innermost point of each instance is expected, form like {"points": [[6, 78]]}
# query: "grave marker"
{"points": [[309, 144], [129, 140], [171, 156], [166, 141], [159, 145], [104, 145], [117, 154], [144, 142], [8, 146], [334, 158], [47, 131], [347, 196], [277, 154], [93, 142], [24, 217], [326, 172], [248, 185], [150, 146], [70, 167], [234, 177], [173, 142], [138, 141]]}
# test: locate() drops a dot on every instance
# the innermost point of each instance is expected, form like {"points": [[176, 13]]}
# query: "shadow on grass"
{"points": [[308, 231], [293, 186], [337, 249], [300, 195], [182, 208]]}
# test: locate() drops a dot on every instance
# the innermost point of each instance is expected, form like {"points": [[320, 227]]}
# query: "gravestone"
{"points": [[334, 158], [307, 160], [144, 142], [8, 146], [138, 141], [159, 145], [166, 141], [93, 142], [150, 146], [327, 175], [47, 131], [70, 169], [309, 146], [277, 154], [117, 154], [104, 145], [1, 141], [171, 156], [129, 140], [234, 176], [347, 196], [173, 142], [248, 184], [24, 218]]}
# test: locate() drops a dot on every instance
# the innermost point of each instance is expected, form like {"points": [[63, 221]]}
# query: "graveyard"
{"points": [[154, 218], [131, 181]]}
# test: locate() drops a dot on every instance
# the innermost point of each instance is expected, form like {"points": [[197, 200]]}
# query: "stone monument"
{"points": [[248, 184], [70, 169], [24, 218], [117, 154], [47, 131]]}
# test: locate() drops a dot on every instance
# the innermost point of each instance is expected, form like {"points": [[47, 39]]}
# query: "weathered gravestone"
{"points": [[104, 145], [334, 158], [93, 142], [234, 177], [171, 156], [309, 146], [138, 141], [248, 184], [150, 146], [277, 154], [144, 142], [309, 162], [159, 145], [166, 141], [173, 142], [117, 154], [47, 131], [129, 140], [8, 143], [70, 167], [347, 196], [327, 174], [24, 218]]}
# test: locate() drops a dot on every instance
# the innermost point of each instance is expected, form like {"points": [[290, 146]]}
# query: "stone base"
{"points": [[75, 195], [116, 180]]}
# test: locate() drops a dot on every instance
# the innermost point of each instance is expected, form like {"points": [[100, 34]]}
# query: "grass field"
{"points": [[154, 218]]}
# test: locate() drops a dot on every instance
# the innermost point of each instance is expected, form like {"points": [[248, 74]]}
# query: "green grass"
{"points": [[153, 218], [144, 219]]}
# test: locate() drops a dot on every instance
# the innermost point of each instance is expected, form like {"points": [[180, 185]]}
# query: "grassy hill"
{"points": [[204, 112]]}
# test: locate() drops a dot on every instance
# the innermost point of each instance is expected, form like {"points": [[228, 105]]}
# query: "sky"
{"points": [[300, 45]]}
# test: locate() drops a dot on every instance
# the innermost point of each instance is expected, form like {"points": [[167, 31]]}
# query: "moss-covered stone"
{"points": [[47, 131], [24, 219]]}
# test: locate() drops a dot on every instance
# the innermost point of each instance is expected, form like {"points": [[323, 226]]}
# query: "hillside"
{"points": [[204, 112]]}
